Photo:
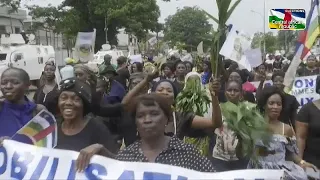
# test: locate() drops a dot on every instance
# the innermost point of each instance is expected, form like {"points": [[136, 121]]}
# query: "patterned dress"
{"points": [[280, 145]]}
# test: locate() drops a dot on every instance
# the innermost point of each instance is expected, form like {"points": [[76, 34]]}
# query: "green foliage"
{"points": [[219, 37], [270, 38], [193, 98], [188, 26], [12, 4], [287, 39], [247, 123], [136, 16]]}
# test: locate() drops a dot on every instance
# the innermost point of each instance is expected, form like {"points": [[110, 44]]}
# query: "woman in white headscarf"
{"points": [[196, 98]]}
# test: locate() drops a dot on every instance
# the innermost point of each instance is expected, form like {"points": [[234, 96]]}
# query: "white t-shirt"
{"points": [[226, 144], [67, 72]]}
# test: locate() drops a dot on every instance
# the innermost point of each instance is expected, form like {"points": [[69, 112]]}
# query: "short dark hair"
{"points": [[121, 60], [239, 83], [179, 62], [188, 62], [170, 65], [151, 100], [23, 75], [266, 93], [139, 66], [277, 73]]}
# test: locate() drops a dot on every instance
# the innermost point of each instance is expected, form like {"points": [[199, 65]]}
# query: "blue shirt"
{"points": [[14, 116]]}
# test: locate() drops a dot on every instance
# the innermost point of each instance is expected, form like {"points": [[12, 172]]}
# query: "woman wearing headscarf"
{"points": [[115, 90], [83, 73], [152, 113], [77, 131], [46, 93], [196, 98]]}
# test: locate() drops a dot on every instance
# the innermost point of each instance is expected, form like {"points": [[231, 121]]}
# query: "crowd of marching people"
{"points": [[130, 114]]}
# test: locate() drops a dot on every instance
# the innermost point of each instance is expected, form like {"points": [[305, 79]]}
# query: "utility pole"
{"points": [[106, 28], [263, 17]]}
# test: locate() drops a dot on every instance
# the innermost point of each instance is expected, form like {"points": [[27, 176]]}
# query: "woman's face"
{"points": [[205, 67], [49, 72], [70, 105], [188, 67], [167, 71], [134, 82], [262, 69], [134, 68], [12, 85], [234, 76], [150, 120], [278, 82], [274, 106], [181, 69], [233, 92], [81, 75], [311, 62], [166, 90], [101, 86]]}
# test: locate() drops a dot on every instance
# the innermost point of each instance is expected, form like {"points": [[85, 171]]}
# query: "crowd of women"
{"points": [[130, 115]]}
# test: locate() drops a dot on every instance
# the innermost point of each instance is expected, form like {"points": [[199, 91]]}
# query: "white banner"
{"points": [[21, 161], [304, 89]]}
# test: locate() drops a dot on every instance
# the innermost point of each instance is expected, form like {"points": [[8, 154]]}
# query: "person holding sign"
{"points": [[152, 113], [16, 110], [77, 131]]}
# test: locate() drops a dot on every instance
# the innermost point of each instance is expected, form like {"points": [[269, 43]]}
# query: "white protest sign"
{"points": [[235, 45], [84, 47], [304, 89], [31, 162]]}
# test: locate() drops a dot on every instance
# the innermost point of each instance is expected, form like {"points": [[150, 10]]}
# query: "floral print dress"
{"points": [[279, 144]]}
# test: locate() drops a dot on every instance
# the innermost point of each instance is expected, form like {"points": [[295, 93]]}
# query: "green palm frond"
{"points": [[233, 7]]}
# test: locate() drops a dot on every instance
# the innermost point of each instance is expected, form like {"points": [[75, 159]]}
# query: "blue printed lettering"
{"points": [[39, 169], [306, 84], [309, 83], [3, 166], [267, 84], [156, 176], [182, 178], [298, 83], [101, 171], [53, 169], [19, 168], [72, 171], [127, 175], [306, 100]]}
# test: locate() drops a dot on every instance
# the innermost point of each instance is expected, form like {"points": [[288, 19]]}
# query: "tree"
{"points": [[13, 6], [271, 41], [136, 16], [188, 25], [287, 39]]}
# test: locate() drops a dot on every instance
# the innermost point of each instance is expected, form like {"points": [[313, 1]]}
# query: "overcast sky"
{"points": [[243, 18]]}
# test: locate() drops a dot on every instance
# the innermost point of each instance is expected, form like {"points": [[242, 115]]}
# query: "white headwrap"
{"points": [[189, 75]]}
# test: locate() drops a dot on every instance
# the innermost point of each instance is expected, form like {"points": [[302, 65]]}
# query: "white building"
{"points": [[11, 22]]}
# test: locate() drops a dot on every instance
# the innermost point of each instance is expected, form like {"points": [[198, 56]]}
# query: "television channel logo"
{"points": [[287, 19]]}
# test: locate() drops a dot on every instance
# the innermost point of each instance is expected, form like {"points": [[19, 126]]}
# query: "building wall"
{"points": [[11, 23]]}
